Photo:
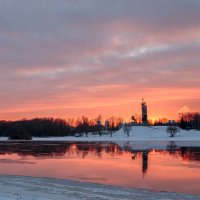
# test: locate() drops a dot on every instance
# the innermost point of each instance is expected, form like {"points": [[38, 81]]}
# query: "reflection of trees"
{"points": [[172, 148], [186, 153], [36, 149], [57, 149], [190, 153], [95, 149]]}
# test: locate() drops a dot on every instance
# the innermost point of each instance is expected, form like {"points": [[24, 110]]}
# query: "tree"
{"points": [[112, 125], [137, 118], [190, 120], [18, 132], [119, 122], [127, 128], [183, 123], [172, 130], [71, 122], [83, 126], [99, 126]]}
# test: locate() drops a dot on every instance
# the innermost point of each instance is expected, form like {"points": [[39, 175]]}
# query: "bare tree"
{"points": [[190, 120], [127, 129], [136, 118], [172, 130], [99, 125]]}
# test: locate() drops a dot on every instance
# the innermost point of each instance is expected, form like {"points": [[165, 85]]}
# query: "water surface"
{"points": [[157, 166]]}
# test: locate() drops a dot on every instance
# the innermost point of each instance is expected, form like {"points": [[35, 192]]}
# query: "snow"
{"points": [[29, 188], [138, 133]]}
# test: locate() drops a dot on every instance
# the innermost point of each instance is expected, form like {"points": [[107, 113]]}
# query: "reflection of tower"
{"points": [[144, 162], [144, 112]]}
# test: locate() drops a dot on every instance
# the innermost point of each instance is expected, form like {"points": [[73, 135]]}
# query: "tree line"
{"points": [[82, 126], [190, 120], [46, 127]]}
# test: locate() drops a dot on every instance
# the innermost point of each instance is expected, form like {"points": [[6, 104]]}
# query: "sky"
{"points": [[67, 58]]}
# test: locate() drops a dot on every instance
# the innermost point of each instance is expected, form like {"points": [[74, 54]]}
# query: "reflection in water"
{"points": [[106, 162], [144, 162], [59, 149]]}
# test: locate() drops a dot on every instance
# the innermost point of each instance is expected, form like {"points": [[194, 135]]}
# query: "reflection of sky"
{"points": [[67, 58], [167, 170]]}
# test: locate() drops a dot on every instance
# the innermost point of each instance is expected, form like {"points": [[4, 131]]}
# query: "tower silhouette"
{"points": [[144, 112]]}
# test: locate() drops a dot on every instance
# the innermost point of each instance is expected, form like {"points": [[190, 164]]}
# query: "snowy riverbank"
{"points": [[29, 188], [138, 133]]}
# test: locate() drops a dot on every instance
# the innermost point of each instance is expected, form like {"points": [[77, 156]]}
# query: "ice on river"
{"points": [[29, 188]]}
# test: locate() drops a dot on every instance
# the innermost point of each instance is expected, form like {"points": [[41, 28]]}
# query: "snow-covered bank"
{"points": [[29, 188], [138, 133]]}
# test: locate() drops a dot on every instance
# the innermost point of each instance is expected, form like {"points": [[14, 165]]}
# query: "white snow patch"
{"points": [[138, 133], [29, 188]]}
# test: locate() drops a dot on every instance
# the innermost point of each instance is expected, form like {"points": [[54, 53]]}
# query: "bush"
{"points": [[172, 130]]}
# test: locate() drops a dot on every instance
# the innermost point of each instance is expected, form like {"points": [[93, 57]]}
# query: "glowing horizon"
{"points": [[67, 59]]}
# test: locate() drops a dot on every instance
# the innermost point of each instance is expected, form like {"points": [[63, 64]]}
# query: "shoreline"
{"points": [[32, 188], [138, 133]]}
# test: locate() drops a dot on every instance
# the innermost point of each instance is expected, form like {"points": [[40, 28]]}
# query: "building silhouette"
{"points": [[144, 112]]}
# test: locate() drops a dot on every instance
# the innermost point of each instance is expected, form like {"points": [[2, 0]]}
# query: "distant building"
{"points": [[171, 122], [144, 112], [107, 124]]}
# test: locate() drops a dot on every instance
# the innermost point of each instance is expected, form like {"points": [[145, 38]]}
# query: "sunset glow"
{"points": [[71, 58], [163, 171]]}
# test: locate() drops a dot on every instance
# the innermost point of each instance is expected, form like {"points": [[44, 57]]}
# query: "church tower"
{"points": [[144, 112]]}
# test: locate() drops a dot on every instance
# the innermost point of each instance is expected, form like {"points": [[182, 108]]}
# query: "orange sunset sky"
{"points": [[68, 58]]}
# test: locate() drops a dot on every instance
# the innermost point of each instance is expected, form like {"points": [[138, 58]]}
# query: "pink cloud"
{"points": [[95, 57]]}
